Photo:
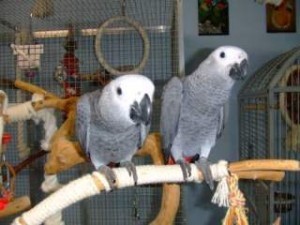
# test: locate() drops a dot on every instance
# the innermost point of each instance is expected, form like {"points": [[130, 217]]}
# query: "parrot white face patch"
{"points": [[123, 92], [232, 60]]}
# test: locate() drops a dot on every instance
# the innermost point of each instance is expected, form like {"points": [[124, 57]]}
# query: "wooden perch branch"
{"points": [[94, 183], [16, 206], [33, 89], [266, 165], [65, 154]]}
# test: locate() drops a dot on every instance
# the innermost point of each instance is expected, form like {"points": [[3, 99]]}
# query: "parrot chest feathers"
{"points": [[113, 146]]}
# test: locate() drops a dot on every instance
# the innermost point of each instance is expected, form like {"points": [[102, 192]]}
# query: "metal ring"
{"points": [[143, 35]]}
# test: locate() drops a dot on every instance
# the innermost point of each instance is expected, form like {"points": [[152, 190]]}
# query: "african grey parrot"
{"points": [[192, 108], [112, 124]]}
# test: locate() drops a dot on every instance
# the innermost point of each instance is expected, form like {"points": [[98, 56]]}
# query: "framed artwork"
{"points": [[281, 18], [213, 17]]}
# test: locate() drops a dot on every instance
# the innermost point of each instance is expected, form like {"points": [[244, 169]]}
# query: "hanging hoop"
{"points": [[142, 33]]}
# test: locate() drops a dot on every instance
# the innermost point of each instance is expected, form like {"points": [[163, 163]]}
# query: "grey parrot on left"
{"points": [[192, 116], [112, 124]]}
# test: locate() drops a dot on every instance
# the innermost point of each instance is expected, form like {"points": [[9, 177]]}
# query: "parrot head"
{"points": [[233, 61], [127, 100]]}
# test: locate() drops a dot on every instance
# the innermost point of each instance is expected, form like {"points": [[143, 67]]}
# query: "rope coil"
{"points": [[236, 213], [21, 112], [220, 173]]}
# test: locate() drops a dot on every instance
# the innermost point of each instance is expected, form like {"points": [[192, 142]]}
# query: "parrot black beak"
{"points": [[141, 112], [239, 71]]}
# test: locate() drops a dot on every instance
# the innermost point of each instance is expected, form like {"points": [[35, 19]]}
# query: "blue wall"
{"points": [[248, 31]]}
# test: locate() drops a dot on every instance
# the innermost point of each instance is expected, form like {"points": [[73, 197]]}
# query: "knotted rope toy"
{"points": [[236, 213]]}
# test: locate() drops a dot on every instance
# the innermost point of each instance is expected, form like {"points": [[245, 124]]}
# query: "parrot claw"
{"points": [[130, 167], [186, 168], [204, 165], [109, 174]]}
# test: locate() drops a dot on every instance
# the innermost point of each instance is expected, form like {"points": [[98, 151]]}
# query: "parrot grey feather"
{"points": [[82, 123], [107, 127], [170, 111], [221, 122], [143, 134]]}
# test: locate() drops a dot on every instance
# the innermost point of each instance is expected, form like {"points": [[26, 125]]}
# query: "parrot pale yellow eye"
{"points": [[222, 54], [119, 91]]}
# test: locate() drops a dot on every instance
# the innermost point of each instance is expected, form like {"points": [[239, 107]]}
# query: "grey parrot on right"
{"points": [[112, 124], [192, 114]]}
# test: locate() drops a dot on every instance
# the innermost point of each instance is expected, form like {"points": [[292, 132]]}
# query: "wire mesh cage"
{"points": [[269, 115], [71, 47]]}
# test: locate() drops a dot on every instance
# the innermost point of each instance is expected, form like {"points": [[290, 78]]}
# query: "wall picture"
{"points": [[213, 17], [281, 18]]}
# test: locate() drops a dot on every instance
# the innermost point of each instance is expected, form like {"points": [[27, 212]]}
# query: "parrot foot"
{"points": [[204, 165], [130, 167], [109, 174], [185, 167]]}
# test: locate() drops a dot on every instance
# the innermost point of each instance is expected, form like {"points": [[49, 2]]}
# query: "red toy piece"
{"points": [[6, 138], [5, 199], [71, 65], [190, 159]]}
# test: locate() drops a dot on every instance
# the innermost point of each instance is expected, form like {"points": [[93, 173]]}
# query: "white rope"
{"points": [[85, 187], [25, 111], [16, 114], [50, 127], [21, 146], [47, 116], [69, 194], [21, 112], [220, 174], [5, 102], [55, 219], [50, 183]]}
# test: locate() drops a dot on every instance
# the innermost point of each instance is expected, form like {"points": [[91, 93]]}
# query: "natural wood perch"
{"points": [[65, 154], [94, 183], [265, 165], [17, 205], [33, 89]]}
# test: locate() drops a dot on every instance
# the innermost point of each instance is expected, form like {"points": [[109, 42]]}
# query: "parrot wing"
{"points": [[170, 113], [221, 122], [83, 118]]}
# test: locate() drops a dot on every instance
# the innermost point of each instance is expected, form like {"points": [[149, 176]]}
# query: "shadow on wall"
{"points": [[196, 59], [198, 199]]}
